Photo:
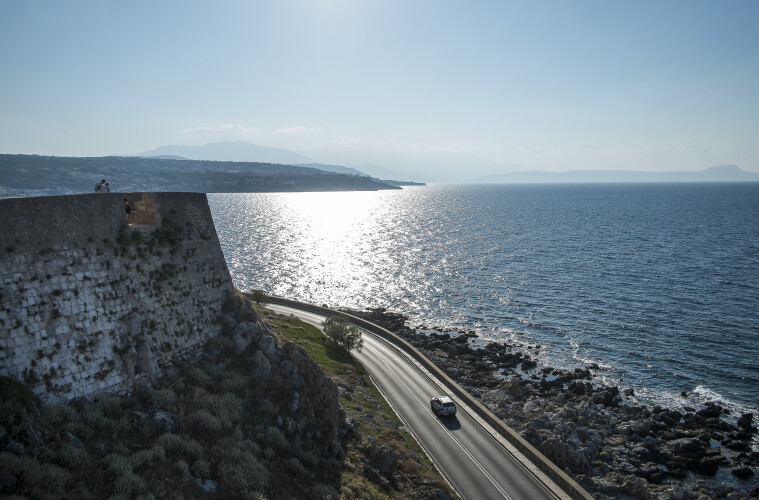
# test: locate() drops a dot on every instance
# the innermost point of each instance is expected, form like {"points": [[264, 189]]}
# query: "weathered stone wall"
{"points": [[90, 303]]}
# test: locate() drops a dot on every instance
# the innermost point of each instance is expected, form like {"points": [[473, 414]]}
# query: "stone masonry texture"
{"points": [[91, 303]]}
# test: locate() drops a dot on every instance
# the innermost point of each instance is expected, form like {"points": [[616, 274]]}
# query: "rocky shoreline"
{"points": [[612, 446]]}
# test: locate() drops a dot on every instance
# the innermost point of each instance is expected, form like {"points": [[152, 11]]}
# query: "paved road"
{"points": [[477, 462]]}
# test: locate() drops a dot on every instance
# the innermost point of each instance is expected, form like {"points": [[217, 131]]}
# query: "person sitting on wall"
{"points": [[100, 186], [107, 187]]}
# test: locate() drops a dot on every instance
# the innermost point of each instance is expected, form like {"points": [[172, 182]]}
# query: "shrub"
{"points": [[73, 457], [59, 414], [16, 393], [234, 382], [118, 464], [35, 479], [295, 469], [146, 457], [129, 485], [197, 376], [342, 333], [243, 476], [259, 297], [226, 407], [188, 448], [164, 399], [358, 489], [323, 492], [201, 468], [203, 424], [93, 417], [274, 439]]}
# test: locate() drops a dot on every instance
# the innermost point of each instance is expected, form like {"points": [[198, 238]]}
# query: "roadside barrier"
{"points": [[566, 483]]}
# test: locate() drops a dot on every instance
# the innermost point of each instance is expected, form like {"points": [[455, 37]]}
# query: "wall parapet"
{"points": [[566, 483], [91, 302]]}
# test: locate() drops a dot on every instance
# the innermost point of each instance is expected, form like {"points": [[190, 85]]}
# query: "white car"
{"points": [[443, 406]]}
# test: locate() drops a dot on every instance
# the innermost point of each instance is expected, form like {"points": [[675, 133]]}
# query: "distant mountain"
{"points": [[33, 175], [247, 152], [230, 151], [723, 173]]}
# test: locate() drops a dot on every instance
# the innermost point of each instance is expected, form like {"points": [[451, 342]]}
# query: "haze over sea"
{"points": [[657, 283]]}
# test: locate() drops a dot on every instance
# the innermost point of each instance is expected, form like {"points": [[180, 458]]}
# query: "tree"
{"points": [[342, 333], [259, 297]]}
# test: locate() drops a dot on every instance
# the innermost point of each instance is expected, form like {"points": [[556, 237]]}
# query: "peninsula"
{"points": [[25, 175]]}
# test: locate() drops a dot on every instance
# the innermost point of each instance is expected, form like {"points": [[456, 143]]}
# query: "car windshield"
{"points": [[447, 404]]}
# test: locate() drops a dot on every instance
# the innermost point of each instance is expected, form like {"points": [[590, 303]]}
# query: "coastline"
{"points": [[611, 445]]}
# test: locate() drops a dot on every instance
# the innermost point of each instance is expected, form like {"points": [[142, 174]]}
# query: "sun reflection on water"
{"points": [[330, 235]]}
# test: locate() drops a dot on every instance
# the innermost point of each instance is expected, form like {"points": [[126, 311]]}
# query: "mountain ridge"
{"points": [[239, 151]]}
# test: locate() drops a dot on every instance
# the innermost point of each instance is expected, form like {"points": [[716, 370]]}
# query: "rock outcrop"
{"points": [[613, 447]]}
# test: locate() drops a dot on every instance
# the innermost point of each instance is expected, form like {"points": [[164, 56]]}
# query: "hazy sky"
{"points": [[479, 86]]}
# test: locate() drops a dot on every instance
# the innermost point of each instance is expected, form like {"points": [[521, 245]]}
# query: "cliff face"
{"points": [[90, 303]]}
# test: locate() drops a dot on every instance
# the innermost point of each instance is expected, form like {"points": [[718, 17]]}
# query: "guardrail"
{"points": [[566, 483]]}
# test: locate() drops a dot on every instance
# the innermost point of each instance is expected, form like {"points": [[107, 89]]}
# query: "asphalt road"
{"points": [[475, 460]]}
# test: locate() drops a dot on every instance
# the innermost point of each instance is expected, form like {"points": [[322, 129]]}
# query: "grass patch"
{"points": [[416, 474]]}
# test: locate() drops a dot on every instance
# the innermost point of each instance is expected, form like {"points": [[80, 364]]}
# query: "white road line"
{"points": [[450, 434]]}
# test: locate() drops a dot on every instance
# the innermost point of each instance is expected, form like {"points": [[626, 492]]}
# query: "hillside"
{"points": [[23, 175]]}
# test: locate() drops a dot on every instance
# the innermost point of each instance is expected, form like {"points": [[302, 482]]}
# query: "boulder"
{"points": [[165, 420], [608, 396], [512, 386], [146, 361], [130, 361], [133, 324], [710, 411], [579, 387], [679, 493], [262, 365], [743, 472], [685, 446], [268, 347], [240, 342], [386, 462], [14, 447], [745, 423]]}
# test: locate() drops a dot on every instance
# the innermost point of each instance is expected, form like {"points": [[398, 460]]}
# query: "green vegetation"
{"points": [[61, 175], [376, 421], [15, 394], [214, 422], [343, 334], [215, 427], [259, 297]]}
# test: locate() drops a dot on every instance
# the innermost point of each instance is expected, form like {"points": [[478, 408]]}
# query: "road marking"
{"points": [[437, 420], [519, 460]]}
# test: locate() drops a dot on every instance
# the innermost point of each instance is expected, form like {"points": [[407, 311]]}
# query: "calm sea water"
{"points": [[657, 283]]}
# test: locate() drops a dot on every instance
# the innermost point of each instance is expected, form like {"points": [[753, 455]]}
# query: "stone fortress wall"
{"points": [[91, 303]]}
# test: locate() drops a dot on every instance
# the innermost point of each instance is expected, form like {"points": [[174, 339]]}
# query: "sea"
{"points": [[657, 284]]}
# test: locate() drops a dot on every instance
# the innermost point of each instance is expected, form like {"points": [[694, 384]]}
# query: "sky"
{"points": [[446, 88]]}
